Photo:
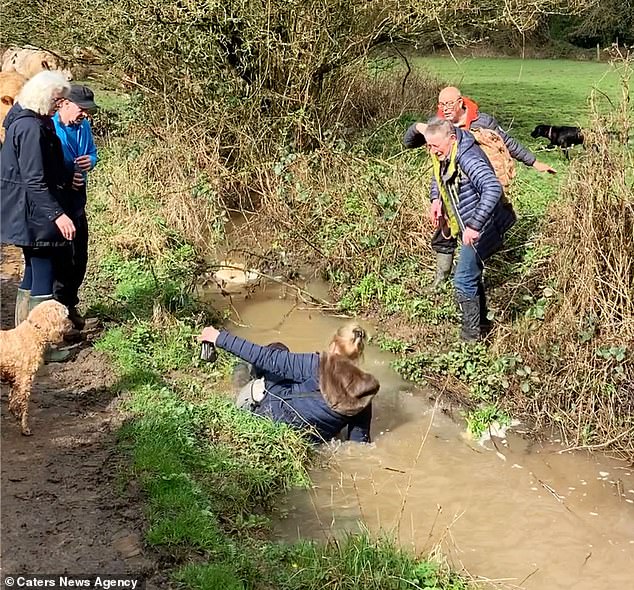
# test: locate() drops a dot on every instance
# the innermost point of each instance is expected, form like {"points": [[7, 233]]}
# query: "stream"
{"points": [[523, 514]]}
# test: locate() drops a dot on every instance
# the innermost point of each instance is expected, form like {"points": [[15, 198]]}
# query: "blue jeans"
{"points": [[468, 272]]}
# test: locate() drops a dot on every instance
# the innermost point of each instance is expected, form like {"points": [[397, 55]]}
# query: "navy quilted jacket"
{"points": [[480, 204], [293, 394], [34, 186]]}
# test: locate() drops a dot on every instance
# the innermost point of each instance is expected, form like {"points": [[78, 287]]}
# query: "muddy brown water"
{"points": [[526, 515]]}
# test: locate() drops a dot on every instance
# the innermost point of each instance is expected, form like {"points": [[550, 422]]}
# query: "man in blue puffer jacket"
{"points": [[467, 203], [317, 393]]}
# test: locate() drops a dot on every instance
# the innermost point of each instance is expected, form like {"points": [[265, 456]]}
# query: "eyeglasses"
{"points": [[449, 104], [57, 101]]}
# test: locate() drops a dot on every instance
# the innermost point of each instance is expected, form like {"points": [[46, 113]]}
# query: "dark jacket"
{"points": [[34, 184], [480, 204], [320, 394], [477, 120]]}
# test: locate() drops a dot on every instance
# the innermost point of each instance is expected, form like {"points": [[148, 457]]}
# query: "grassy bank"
{"points": [[210, 473]]}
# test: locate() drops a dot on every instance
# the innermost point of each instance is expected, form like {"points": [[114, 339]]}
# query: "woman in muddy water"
{"points": [[318, 393]]}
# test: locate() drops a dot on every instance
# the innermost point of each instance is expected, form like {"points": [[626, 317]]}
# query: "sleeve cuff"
{"points": [[222, 339], [56, 214]]}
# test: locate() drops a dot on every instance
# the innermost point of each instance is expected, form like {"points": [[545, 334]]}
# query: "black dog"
{"points": [[561, 136]]}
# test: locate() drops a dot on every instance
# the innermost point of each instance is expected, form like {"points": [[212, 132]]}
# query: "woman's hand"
{"points": [[209, 334], [65, 226]]}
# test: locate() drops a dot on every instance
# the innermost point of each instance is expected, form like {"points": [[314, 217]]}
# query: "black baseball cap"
{"points": [[83, 97]]}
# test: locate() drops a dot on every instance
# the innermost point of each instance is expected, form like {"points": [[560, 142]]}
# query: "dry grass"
{"points": [[158, 190], [363, 100], [584, 348]]}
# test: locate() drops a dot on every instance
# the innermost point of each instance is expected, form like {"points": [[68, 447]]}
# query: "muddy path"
{"points": [[65, 503]]}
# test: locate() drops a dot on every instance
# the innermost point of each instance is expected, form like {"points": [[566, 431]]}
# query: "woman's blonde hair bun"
{"points": [[349, 341]]}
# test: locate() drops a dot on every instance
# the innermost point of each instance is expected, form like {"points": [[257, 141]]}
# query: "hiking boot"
{"points": [[72, 336], [486, 325], [21, 306], [52, 354], [79, 321], [444, 264], [470, 308]]}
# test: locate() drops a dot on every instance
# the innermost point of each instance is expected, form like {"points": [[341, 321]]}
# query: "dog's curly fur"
{"points": [[22, 353]]}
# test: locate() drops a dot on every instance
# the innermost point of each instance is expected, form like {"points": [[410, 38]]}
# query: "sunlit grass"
{"points": [[524, 93]]}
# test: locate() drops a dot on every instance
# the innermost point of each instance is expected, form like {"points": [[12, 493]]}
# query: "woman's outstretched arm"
{"points": [[296, 367]]}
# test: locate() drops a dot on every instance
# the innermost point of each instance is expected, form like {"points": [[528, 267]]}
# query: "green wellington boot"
{"points": [[52, 354], [444, 265], [21, 305]]}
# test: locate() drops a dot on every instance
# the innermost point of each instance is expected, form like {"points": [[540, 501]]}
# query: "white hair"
{"points": [[439, 126], [39, 92]]}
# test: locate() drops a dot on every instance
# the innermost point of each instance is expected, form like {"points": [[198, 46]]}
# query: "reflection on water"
{"points": [[528, 514]]}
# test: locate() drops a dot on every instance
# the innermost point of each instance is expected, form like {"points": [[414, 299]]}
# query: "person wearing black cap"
{"points": [[80, 155]]}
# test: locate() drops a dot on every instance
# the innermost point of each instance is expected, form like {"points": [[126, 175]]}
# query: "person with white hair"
{"points": [[35, 189], [468, 205]]}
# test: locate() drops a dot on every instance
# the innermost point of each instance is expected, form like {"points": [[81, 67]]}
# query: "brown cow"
{"points": [[29, 61], [10, 85]]}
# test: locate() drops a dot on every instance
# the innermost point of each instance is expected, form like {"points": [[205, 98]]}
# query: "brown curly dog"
{"points": [[22, 353]]}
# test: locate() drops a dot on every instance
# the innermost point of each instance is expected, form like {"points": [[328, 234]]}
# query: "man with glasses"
{"points": [[80, 156], [464, 114]]}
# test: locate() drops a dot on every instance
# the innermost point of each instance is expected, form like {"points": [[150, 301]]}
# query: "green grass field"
{"points": [[524, 93]]}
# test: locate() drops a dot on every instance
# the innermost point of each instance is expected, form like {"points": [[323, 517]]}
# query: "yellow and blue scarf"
{"points": [[454, 226]]}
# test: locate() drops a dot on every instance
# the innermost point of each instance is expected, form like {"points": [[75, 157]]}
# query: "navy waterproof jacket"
{"points": [[293, 391], [480, 203], [34, 183]]}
